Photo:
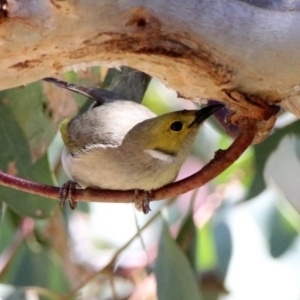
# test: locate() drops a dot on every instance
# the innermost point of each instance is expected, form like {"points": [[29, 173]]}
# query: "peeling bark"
{"points": [[202, 49]]}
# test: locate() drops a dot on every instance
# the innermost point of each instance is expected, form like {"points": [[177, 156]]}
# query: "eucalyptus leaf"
{"points": [[16, 159], [187, 240], [283, 169], [223, 243], [36, 266], [282, 234], [175, 277], [262, 152]]}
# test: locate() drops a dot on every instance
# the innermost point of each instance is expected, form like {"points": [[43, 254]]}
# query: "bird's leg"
{"points": [[143, 205], [66, 192]]}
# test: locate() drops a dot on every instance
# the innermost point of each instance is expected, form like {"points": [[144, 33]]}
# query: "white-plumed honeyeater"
{"points": [[122, 145]]}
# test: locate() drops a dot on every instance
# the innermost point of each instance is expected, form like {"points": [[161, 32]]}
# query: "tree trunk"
{"points": [[202, 49]]}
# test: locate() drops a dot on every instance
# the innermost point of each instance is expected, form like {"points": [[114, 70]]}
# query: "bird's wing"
{"points": [[103, 126]]}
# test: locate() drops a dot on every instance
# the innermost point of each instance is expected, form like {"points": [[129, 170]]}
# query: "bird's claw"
{"points": [[66, 192], [144, 204]]}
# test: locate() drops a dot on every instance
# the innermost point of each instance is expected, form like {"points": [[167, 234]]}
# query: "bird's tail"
{"points": [[96, 94]]}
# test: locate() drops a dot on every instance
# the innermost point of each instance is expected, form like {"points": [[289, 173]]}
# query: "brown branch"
{"points": [[222, 160], [28, 186]]}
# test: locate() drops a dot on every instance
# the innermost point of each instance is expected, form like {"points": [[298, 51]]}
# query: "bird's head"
{"points": [[172, 133]]}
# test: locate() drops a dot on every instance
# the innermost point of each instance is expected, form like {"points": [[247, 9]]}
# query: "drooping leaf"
{"points": [[207, 256], [174, 275], [262, 152], [283, 169], [187, 240], [38, 267], [282, 234], [37, 111], [223, 242], [16, 159]]}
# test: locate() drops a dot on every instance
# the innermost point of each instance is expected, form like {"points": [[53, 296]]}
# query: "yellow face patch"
{"points": [[168, 133]]}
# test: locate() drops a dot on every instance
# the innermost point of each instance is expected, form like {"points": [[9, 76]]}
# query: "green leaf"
{"points": [[30, 261], [8, 227], [16, 159], [283, 169], [187, 240], [207, 257], [282, 234], [174, 275], [223, 244], [31, 110], [262, 152], [40, 267]]}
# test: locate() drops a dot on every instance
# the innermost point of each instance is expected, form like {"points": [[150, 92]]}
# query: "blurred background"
{"points": [[236, 238]]}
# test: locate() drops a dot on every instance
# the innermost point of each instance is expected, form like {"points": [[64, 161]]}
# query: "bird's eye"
{"points": [[176, 126]]}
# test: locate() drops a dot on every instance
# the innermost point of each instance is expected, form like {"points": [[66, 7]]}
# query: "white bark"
{"points": [[196, 47]]}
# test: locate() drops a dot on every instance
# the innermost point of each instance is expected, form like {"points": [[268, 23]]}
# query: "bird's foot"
{"points": [[144, 204], [66, 192]]}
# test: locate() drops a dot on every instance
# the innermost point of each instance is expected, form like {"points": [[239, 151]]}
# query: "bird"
{"points": [[122, 145]]}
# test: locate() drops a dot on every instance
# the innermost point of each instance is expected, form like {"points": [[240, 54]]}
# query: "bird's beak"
{"points": [[204, 113]]}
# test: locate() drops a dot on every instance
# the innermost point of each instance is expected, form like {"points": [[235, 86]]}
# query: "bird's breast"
{"points": [[112, 168]]}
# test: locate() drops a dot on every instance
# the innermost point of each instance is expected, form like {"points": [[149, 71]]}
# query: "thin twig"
{"points": [[222, 160], [108, 267]]}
